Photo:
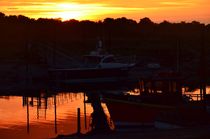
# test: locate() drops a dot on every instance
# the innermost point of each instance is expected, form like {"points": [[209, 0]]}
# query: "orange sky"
{"points": [[157, 10]]}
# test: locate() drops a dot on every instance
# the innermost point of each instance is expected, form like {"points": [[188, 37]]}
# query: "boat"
{"points": [[98, 67], [157, 103]]}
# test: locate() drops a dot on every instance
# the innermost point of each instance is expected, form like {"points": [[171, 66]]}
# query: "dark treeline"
{"points": [[145, 38]]}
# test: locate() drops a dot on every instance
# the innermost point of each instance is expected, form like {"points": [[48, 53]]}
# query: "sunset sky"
{"points": [[156, 10]]}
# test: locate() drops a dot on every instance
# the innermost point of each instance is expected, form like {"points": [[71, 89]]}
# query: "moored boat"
{"points": [[98, 67], [159, 102]]}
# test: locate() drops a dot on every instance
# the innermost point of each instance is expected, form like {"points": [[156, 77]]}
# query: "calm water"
{"points": [[45, 117], [48, 116]]}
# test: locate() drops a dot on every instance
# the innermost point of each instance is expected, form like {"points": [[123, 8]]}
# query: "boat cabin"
{"points": [[163, 86], [104, 61]]}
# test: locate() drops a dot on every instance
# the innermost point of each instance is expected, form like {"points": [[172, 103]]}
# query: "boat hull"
{"points": [[126, 113], [89, 75]]}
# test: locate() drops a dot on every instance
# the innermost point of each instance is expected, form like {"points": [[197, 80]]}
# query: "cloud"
{"points": [[176, 4]]}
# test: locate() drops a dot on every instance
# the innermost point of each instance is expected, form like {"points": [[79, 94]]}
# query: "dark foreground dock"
{"points": [[181, 133]]}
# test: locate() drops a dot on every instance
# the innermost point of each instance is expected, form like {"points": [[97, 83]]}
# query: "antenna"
{"points": [[99, 45]]}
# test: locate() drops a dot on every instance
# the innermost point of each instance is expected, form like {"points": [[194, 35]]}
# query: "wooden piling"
{"points": [[78, 121], [85, 118]]}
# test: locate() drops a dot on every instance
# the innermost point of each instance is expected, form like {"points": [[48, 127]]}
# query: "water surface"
{"points": [[43, 117]]}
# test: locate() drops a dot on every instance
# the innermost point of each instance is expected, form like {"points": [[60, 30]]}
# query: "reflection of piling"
{"points": [[27, 115], [55, 112], [78, 121], [24, 100], [37, 107]]}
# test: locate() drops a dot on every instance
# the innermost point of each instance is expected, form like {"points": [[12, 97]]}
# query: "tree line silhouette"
{"points": [[122, 36]]}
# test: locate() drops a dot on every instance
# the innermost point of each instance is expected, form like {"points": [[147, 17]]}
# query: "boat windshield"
{"points": [[109, 60], [92, 59]]}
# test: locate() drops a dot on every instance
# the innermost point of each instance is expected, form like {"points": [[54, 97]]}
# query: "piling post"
{"points": [[78, 122], [85, 113]]}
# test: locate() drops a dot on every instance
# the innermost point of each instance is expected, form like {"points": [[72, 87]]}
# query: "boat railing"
{"points": [[192, 97]]}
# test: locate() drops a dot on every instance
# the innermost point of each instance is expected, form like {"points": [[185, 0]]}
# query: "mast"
{"points": [[178, 56], [203, 66]]}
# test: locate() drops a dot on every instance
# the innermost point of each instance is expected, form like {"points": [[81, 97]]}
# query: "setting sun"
{"points": [[69, 11], [69, 15], [79, 11]]}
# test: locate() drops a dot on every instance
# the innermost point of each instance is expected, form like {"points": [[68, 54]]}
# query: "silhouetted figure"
{"points": [[99, 120]]}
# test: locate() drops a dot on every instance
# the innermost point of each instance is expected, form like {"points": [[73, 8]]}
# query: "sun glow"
{"points": [[69, 15], [67, 11]]}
